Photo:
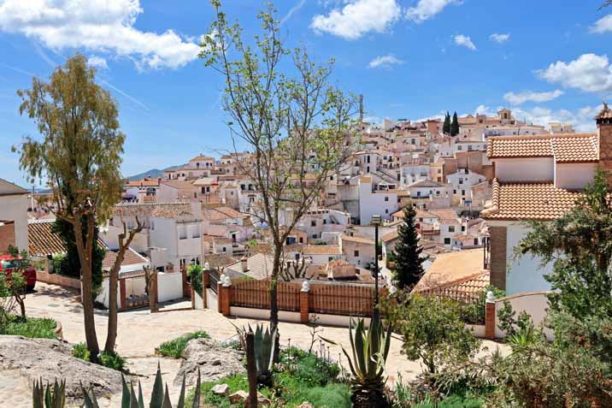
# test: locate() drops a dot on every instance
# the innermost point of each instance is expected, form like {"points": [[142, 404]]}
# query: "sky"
{"points": [[545, 59]]}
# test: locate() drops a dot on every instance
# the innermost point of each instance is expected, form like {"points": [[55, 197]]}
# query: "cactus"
{"points": [[47, 395], [370, 348]]}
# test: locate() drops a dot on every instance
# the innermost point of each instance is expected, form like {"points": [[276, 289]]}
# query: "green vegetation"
{"points": [[54, 395], [32, 327], [408, 261], [194, 272], [474, 313], [299, 376], [174, 348], [112, 360], [80, 351]]}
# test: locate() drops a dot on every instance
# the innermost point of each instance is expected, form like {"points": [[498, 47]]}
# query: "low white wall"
{"points": [[198, 302], [335, 320], [534, 303], [104, 293], [292, 317], [477, 329], [169, 286]]}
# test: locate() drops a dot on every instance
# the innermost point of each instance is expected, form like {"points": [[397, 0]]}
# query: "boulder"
{"points": [[220, 389], [239, 397], [52, 359], [213, 360], [305, 404]]}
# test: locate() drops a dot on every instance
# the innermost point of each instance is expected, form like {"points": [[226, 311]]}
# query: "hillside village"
{"points": [[327, 259]]}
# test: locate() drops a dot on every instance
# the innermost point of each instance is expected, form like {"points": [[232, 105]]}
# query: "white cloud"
{"points": [[426, 9], [464, 41], [589, 73], [499, 38], [96, 25], [484, 110], [603, 25], [529, 96], [385, 61], [358, 18], [97, 62], [581, 119]]}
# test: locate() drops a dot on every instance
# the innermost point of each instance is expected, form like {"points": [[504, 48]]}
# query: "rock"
{"points": [[220, 389], [263, 401], [213, 360], [305, 404], [52, 359], [239, 397]]}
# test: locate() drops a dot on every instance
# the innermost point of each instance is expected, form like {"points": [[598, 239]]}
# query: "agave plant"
{"points": [[160, 397], [47, 395], [370, 348], [264, 342]]}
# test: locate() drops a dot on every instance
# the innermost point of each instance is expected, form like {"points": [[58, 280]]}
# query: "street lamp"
{"points": [[376, 222]]}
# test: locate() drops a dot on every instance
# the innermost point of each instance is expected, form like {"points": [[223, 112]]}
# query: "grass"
{"points": [[300, 377], [174, 348], [33, 327]]}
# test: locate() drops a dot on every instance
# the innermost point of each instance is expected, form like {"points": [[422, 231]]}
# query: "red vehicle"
{"points": [[8, 263]]}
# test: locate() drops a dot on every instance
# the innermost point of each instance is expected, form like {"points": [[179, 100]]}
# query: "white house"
{"points": [[559, 167], [382, 200], [13, 216], [462, 181]]}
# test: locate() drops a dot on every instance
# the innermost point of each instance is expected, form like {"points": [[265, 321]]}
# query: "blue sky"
{"points": [[546, 59]]}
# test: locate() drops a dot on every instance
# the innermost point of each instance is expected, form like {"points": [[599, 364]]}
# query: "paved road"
{"points": [[140, 332]]}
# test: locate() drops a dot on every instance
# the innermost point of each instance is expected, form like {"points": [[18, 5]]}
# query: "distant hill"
{"points": [[153, 173]]}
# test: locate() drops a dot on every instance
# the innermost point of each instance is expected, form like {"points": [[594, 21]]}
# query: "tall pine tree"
{"points": [[407, 253], [454, 127], [446, 127]]}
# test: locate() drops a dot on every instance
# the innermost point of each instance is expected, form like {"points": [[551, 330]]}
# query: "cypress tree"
{"points": [[446, 127], [454, 127], [407, 253]]}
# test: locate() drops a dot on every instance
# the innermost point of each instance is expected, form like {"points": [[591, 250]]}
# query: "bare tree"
{"points": [[296, 125]]}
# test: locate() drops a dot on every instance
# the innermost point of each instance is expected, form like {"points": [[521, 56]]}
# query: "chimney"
{"points": [[244, 264], [604, 129]]}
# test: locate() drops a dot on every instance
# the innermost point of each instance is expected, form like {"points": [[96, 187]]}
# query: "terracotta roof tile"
{"points": [[42, 241], [578, 148], [322, 250], [572, 147], [529, 201], [131, 258]]}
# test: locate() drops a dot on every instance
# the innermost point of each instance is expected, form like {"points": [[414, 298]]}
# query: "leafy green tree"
{"points": [[408, 253], [454, 127], [434, 332], [78, 157], [294, 123], [580, 246], [446, 126], [69, 264]]}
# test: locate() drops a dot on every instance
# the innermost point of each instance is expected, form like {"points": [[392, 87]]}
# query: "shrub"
{"points": [[80, 351], [174, 348], [112, 360], [35, 328], [195, 277], [474, 313], [307, 368]]}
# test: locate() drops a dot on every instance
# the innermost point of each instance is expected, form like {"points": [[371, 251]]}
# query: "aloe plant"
{"points": [[370, 348], [47, 395]]}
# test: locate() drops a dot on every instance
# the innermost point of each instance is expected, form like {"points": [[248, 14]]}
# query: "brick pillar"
{"points": [[304, 306], [220, 294], [225, 299], [498, 240], [122, 294], [490, 317]]}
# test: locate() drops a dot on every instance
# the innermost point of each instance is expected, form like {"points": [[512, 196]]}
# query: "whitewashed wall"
{"points": [[169, 286]]}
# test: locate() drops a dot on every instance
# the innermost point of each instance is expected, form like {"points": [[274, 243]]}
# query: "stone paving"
{"points": [[140, 332]]}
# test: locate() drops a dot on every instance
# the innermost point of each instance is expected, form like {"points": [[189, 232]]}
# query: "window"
{"points": [[459, 148], [462, 192], [331, 258], [451, 228], [386, 211], [313, 223], [475, 241], [386, 198], [355, 253], [447, 241]]}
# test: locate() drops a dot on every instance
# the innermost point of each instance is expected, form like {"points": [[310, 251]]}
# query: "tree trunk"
{"points": [[85, 250], [113, 283], [251, 369], [276, 268]]}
